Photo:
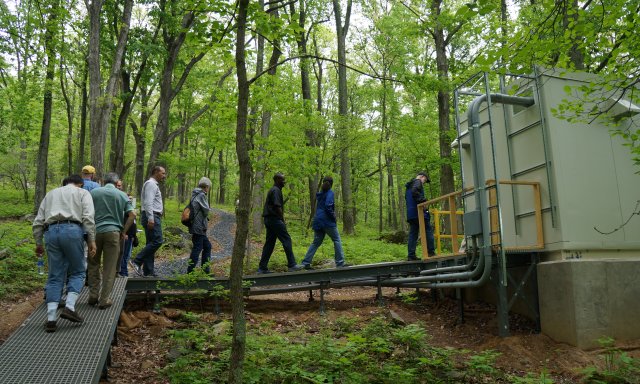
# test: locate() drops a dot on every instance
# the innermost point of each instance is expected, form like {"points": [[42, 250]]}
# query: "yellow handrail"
{"points": [[493, 212]]}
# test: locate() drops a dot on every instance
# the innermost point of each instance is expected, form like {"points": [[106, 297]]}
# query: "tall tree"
{"points": [[101, 102], [348, 219], [244, 205], [51, 30]]}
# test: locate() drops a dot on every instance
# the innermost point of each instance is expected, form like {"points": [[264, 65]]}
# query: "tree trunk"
{"points": [[43, 148], [222, 194], [102, 103], [444, 126], [258, 180], [69, 111], [83, 119], [173, 44], [139, 136], [342, 126], [243, 210]]}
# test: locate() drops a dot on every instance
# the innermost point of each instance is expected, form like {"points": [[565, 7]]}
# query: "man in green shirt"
{"points": [[111, 206]]}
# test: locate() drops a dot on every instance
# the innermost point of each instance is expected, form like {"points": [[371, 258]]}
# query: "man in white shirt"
{"points": [[151, 221], [64, 216]]}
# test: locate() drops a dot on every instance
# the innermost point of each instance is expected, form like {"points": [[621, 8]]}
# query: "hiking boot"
{"points": [[296, 268], [72, 316], [50, 326], [343, 265], [308, 267], [105, 305]]}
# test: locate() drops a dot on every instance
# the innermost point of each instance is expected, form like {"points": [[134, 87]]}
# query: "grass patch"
{"points": [[18, 272]]}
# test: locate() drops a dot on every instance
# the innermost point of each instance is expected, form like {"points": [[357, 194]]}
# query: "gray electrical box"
{"points": [[472, 223]]}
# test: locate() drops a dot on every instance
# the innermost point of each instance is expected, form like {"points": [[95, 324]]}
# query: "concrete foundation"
{"points": [[584, 300]]}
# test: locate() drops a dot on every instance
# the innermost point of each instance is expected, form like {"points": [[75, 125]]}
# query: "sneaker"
{"points": [[50, 326], [264, 271], [136, 268], [105, 305], [343, 265], [308, 267], [71, 315], [296, 268]]}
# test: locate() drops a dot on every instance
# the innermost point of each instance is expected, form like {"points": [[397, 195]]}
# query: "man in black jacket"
{"points": [[273, 214], [414, 195]]}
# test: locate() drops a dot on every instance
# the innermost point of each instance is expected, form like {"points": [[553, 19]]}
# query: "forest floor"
{"points": [[141, 348]]}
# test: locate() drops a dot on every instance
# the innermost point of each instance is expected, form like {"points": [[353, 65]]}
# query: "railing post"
{"points": [[453, 221], [423, 230]]}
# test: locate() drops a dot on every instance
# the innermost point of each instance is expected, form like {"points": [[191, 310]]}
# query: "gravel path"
{"points": [[220, 232]]}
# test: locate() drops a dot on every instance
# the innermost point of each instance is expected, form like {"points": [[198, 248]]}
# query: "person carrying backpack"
{"points": [[199, 224]]}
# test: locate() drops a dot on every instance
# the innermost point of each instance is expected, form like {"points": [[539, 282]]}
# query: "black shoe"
{"points": [[264, 272], [431, 254], [343, 265], [105, 305], [92, 301], [412, 258], [308, 267], [50, 326], [71, 315], [296, 268]]}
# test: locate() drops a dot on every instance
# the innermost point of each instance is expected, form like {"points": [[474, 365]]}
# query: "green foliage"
{"points": [[619, 367], [18, 273], [373, 352]]}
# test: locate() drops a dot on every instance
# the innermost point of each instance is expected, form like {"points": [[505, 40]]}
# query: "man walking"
{"points": [[111, 206], [65, 214], [151, 221], [414, 195], [273, 214], [198, 230], [324, 223], [88, 174]]}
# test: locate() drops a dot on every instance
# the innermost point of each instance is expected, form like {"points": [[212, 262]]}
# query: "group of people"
{"points": [[84, 218], [78, 214]]}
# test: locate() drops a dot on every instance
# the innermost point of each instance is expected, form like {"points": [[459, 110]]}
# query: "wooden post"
{"points": [[423, 231]]}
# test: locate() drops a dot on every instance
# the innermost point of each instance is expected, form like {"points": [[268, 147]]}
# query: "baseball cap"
{"points": [[88, 169]]}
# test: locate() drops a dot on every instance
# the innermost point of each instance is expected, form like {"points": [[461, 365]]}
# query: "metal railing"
{"points": [[452, 213]]}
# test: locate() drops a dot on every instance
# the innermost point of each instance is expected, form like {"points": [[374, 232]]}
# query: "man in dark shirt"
{"points": [[273, 214], [414, 195]]}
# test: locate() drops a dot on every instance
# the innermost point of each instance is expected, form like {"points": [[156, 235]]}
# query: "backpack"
{"points": [[187, 214]]}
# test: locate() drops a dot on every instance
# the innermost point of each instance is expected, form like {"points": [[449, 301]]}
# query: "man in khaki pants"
{"points": [[111, 206]]}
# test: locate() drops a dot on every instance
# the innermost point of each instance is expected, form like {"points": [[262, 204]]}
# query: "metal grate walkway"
{"points": [[75, 353]]}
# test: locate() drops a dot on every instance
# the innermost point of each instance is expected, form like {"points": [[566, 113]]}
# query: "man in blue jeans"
{"points": [[324, 223], [64, 215], [198, 229], [273, 214], [151, 221], [414, 195]]}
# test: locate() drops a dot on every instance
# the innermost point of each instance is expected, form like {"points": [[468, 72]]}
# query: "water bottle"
{"points": [[40, 265]]}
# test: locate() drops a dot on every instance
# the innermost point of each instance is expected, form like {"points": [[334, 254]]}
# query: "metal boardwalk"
{"points": [[75, 353]]}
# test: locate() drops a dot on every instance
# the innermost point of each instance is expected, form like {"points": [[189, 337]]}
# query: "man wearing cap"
{"points": [[88, 173], [64, 216], [414, 195], [151, 221], [111, 206], [198, 229]]}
